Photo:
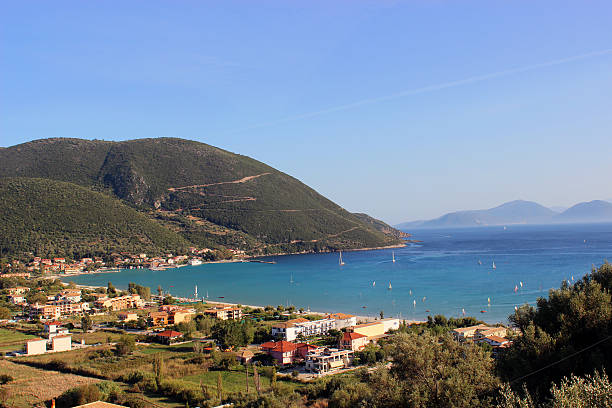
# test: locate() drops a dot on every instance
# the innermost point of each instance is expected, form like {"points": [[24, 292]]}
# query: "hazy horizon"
{"points": [[402, 110]]}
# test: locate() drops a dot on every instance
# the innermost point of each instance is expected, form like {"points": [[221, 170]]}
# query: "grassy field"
{"points": [[96, 337], [11, 340], [234, 380], [32, 386]]}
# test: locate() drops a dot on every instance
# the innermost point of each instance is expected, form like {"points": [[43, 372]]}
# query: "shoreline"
{"points": [[241, 260]]}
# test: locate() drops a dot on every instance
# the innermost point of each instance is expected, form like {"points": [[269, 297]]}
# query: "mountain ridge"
{"points": [[212, 197], [519, 212]]}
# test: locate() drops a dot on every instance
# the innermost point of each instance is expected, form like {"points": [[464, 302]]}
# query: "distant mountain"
{"points": [[592, 211], [513, 212], [519, 212], [208, 196]]}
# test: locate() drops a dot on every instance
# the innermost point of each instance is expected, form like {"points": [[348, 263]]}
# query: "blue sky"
{"points": [[323, 90]]}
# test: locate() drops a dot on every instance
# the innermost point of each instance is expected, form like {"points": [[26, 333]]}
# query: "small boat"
{"points": [[340, 261], [221, 297], [364, 307], [463, 312], [414, 303], [494, 267], [488, 300], [521, 283], [515, 288], [424, 297], [427, 310], [291, 280], [373, 283], [515, 308], [479, 262], [505, 228], [390, 287], [483, 311], [410, 292], [393, 255]]}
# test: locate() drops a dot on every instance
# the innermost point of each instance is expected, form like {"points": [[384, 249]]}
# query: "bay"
{"points": [[441, 275]]}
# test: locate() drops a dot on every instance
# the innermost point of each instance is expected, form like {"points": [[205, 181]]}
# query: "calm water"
{"points": [[442, 274]]}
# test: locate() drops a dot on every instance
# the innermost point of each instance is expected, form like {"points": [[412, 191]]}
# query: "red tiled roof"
{"points": [[279, 346], [497, 339], [169, 333], [56, 323], [350, 336]]}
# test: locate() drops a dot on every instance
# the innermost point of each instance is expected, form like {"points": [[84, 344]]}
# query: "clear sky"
{"points": [[401, 109]]}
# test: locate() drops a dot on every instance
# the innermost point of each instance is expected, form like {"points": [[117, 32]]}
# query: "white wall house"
{"points": [[291, 329]]}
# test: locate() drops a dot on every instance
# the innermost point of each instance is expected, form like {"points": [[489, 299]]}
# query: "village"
{"points": [[61, 320]]}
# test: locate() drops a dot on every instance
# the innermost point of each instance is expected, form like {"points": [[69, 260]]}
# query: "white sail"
{"points": [[393, 254], [340, 261]]}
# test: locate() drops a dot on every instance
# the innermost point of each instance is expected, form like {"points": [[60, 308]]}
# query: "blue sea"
{"points": [[441, 274]]}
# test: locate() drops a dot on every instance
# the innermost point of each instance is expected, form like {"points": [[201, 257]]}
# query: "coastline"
{"points": [[241, 260]]}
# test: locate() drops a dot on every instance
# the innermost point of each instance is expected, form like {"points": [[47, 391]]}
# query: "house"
{"points": [[120, 302], [127, 316], [371, 330], [62, 343], [464, 333], [168, 336], [245, 356], [36, 346], [478, 332], [343, 320], [490, 331], [353, 341], [180, 315], [17, 299], [72, 295], [224, 312], [100, 404], [285, 352], [20, 290], [390, 324], [291, 329], [44, 312], [495, 341], [158, 318], [323, 361]]}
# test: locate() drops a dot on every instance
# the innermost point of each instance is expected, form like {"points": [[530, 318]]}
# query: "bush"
{"points": [[78, 396], [5, 378]]}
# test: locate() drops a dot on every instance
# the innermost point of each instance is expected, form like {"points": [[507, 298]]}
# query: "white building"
{"points": [[390, 324], [343, 320], [62, 343], [36, 346], [291, 329], [323, 361]]}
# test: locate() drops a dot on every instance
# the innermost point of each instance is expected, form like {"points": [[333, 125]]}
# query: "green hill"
{"points": [[210, 196], [50, 218]]}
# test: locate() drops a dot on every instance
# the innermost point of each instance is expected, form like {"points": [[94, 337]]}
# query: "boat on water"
{"points": [[291, 280], [494, 267], [195, 262], [373, 283], [483, 311], [393, 255], [390, 287], [479, 262], [340, 261]]}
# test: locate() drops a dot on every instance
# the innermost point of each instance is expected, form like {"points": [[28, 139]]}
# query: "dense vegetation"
{"points": [[52, 218], [210, 196]]}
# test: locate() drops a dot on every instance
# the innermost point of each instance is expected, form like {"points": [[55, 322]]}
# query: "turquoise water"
{"points": [[441, 275]]}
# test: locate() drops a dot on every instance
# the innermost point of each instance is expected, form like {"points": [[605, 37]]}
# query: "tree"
{"points": [[230, 333], [432, 371], [5, 313], [125, 345], [219, 387], [86, 323], [158, 368], [382, 314], [160, 292], [110, 289], [572, 319]]}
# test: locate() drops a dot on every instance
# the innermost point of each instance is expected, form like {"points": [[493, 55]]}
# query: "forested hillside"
{"points": [[52, 218], [210, 196]]}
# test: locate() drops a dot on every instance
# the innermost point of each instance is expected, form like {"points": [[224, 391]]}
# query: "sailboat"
{"points": [[479, 262], [291, 280], [494, 267], [340, 261], [393, 254], [373, 283], [390, 287], [196, 292]]}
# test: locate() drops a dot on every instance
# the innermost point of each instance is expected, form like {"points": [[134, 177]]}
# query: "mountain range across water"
{"points": [[520, 212]]}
